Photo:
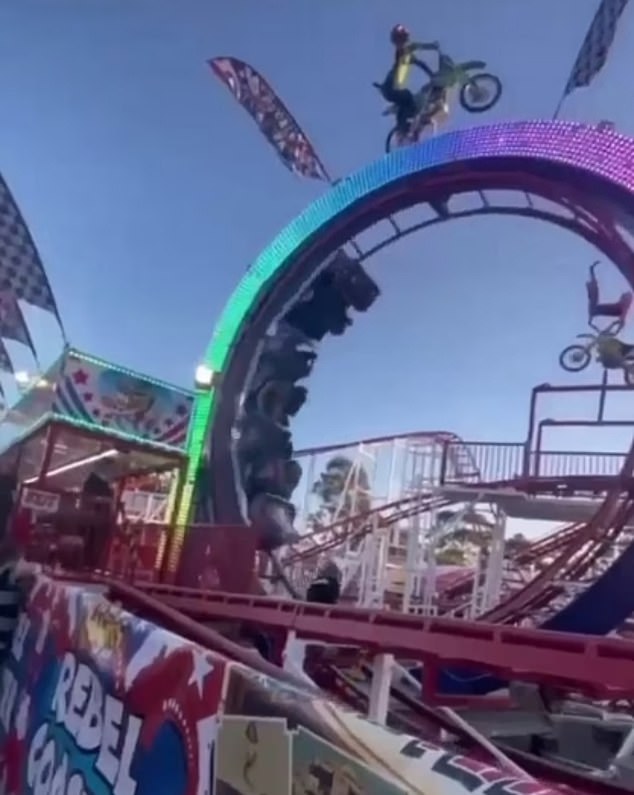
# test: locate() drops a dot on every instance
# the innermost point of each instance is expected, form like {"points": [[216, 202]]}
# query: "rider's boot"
{"points": [[403, 122]]}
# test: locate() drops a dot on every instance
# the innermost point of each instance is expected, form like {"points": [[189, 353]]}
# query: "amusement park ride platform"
{"points": [[517, 504], [85, 413]]}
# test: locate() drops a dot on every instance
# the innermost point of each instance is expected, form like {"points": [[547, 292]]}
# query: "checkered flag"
{"points": [[21, 269], [596, 45], [6, 365], [12, 323]]}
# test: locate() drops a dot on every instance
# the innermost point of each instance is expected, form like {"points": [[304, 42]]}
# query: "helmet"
{"points": [[399, 34]]}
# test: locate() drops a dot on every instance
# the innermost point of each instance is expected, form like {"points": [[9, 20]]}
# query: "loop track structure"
{"points": [[585, 172]]}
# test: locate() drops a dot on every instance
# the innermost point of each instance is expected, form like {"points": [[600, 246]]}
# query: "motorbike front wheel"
{"points": [[481, 93], [574, 358]]}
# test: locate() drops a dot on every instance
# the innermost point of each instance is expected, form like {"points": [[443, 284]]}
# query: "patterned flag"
{"points": [[12, 323], [596, 45], [21, 269], [6, 365], [268, 111]]}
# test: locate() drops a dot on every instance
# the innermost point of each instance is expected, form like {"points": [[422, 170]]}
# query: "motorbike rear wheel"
{"points": [[481, 93], [574, 358], [396, 140], [393, 141]]}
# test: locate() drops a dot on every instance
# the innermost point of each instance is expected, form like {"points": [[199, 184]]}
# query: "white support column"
{"points": [[309, 478], [412, 561], [474, 605], [380, 688], [429, 588], [495, 564]]}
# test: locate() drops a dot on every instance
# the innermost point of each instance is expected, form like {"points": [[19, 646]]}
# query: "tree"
{"points": [[472, 532], [343, 490], [451, 556]]}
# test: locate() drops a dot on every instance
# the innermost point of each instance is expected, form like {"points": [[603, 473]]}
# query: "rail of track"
{"points": [[603, 668], [574, 559], [577, 548]]}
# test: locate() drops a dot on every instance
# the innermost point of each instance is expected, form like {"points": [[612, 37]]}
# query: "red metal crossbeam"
{"points": [[602, 667], [612, 513]]}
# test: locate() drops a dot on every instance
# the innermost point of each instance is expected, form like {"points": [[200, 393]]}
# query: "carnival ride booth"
{"points": [[86, 435]]}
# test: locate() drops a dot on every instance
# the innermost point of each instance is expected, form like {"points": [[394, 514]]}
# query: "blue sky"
{"points": [[149, 191]]}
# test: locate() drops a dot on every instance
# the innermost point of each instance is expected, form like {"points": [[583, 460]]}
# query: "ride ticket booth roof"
{"points": [[84, 411]]}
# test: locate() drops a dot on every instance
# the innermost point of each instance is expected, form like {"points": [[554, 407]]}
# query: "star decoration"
{"points": [[88, 396], [80, 377], [201, 668]]}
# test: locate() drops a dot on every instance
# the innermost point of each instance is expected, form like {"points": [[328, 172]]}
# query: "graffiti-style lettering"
{"points": [[19, 637], [445, 766], [99, 727], [61, 697], [415, 749], [41, 762], [9, 690]]}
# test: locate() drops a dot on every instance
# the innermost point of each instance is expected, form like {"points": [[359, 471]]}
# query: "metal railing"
{"points": [[501, 461]]}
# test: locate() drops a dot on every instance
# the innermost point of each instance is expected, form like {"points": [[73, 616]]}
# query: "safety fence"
{"points": [[495, 462]]}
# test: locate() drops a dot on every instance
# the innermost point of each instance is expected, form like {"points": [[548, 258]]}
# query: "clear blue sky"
{"points": [[149, 191]]}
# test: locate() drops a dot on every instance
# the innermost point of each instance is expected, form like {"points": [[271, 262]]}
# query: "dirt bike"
{"points": [[477, 93], [611, 353]]}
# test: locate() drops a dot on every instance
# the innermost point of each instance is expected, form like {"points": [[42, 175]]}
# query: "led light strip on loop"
{"points": [[597, 153]]}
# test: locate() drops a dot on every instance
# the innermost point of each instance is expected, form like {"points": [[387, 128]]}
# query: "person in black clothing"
{"points": [[326, 588]]}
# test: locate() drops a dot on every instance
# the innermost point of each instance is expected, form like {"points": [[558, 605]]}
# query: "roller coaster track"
{"points": [[605, 526], [597, 666], [355, 527], [577, 548], [536, 551], [459, 454], [412, 716]]}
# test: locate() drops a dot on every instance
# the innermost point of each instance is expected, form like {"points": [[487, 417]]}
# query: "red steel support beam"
{"points": [[602, 667]]}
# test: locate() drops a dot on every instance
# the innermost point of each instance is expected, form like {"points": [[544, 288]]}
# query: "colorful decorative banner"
{"points": [[273, 118], [6, 365], [12, 323], [21, 268], [112, 399], [97, 701]]}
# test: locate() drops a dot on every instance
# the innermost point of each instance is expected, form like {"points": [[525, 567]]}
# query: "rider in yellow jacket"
{"points": [[393, 87]]}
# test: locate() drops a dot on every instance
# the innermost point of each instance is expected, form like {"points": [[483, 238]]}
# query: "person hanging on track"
{"points": [[596, 309], [393, 88]]}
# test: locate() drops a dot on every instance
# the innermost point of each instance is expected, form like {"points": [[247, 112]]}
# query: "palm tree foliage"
{"points": [[343, 490]]}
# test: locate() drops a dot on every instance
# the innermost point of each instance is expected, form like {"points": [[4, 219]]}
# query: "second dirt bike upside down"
{"points": [[611, 353]]}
